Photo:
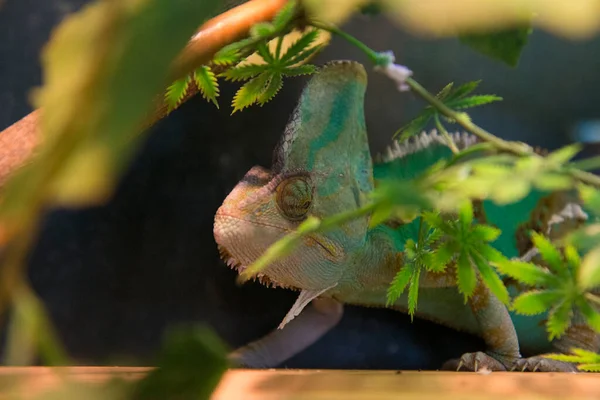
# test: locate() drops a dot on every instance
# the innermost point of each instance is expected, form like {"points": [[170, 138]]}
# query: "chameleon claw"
{"points": [[460, 364]]}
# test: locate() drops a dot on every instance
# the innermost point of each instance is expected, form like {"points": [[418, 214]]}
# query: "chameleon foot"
{"points": [[541, 364], [474, 362]]}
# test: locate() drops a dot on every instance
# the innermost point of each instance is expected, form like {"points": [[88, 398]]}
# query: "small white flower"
{"points": [[397, 73]]}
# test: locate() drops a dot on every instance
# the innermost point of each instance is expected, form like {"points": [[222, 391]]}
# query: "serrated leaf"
{"points": [[176, 92], [263, 51], [273, 86], [285, 15], [463, 90], [399, 284], [441, 258], [491, 254], [486, 233], [206, 81], [298, 46], [244, 72], [549, 253], [413, 292], [589, 271], [559, 319], [300, 70], [504, 45], [536, 301], [414, 127], [595, 367], [249, 93], [442, 94], [305, 55], [224, 58], [491, 278], [473, 101], [572, 257], [466, 276], [527, 273]]}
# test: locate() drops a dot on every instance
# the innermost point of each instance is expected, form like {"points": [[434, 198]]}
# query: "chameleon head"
{"points": [[322, 166]]}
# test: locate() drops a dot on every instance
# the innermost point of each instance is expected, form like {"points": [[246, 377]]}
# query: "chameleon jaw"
{"points": [[237, 266]]}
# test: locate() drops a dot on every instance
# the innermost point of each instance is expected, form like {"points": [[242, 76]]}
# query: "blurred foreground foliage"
{"points": [[106, 66]]}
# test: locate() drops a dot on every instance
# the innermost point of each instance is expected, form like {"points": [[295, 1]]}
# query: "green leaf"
{"points": [[527, 273], [176, 92], [300, 58], [590, 197], [473, 101], [563, 155], [536, 301], [300, 70], [466, 277], [206, 81], [491, 278], [465, 215], [414, 127], [263, 50], [262, 30], [442, 94], [463, 90], [486, 233], [440, 258], [226, 57], [504, 45], [413, 292], [190, 366], [589, 272], [549, 253], [244, 72], [250, 92], [285, 15], [592, 317], [559, 319], [399, 283], [553, 181], [298, 46], [273, 86], [103, 68]]}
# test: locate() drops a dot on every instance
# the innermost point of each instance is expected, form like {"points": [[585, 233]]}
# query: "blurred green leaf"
{"points": [[505, 45], [190, 366], [206, 81]]}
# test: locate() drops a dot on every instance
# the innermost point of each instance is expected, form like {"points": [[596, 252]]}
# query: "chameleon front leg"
{"points": [[498, 332], [282, 344]]}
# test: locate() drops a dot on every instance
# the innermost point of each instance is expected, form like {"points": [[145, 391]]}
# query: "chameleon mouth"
{"points": [[236, 265]]}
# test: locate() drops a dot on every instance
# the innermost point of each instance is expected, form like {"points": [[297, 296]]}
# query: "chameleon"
{"points": [[322, 166]]}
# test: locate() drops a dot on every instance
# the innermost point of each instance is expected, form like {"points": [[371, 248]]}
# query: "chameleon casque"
{"points": [[323, 166]]}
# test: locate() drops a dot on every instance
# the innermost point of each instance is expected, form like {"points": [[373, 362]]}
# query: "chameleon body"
{"points": [[323, 166]]}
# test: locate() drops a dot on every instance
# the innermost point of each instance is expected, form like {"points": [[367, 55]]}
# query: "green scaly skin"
{"points": [[322, 167]]}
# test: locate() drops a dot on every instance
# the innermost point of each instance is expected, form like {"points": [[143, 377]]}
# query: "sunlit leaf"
{"points": [[206, 81], [273, 86], [525, 272], [473, 101], [536, 301], [176, 92], [486, 233], [413, 292], [491, 278], [250, 92], [589, 272]]}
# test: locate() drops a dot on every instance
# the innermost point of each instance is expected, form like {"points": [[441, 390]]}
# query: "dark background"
{"points": [[114, 277]]}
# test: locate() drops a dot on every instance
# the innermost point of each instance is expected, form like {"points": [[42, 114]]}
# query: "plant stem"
{"points": [[444, 132], [375, 57]]}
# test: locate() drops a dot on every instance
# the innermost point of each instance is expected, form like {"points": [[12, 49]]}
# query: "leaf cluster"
{"points": [[458, 98]]}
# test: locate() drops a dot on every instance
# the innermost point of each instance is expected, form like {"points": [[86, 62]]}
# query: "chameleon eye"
{"points": [[294, 197]]}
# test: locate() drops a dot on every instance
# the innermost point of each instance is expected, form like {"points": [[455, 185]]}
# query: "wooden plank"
{"points": [[29, 382]]}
